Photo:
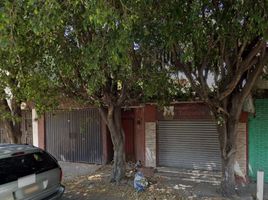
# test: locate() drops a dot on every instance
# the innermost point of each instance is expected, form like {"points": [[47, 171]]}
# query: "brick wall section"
{"points": [[143, 115], [41, 132], [187, 111], [244, 117], [150, 113], [150, 117]]}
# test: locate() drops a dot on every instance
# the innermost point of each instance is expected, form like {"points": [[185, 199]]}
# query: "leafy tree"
{"points": [[10, 70], [10, 108], [17, 82], [221, 47], [87, 51]]}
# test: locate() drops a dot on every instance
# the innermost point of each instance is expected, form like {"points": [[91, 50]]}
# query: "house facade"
{"points": [[182, 135]]}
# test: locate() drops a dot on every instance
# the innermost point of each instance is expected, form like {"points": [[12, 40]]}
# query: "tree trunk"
{"points": [[228, 178], [12, 124], [119, 162], [227, 137], [13, 131], [113, 120]]}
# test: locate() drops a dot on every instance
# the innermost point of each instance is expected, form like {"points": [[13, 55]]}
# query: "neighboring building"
{"points": [[258, 139]]}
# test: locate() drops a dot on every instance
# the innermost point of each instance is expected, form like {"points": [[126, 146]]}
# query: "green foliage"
{"points": [[206, 35], [93, 50], [84, 50], [17, 54]]}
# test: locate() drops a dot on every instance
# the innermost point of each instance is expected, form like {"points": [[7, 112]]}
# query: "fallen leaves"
{"points": [[97, 187]]}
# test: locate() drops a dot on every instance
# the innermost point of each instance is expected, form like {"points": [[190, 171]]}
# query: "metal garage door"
{"points": [[74, 135], [188, 145]]}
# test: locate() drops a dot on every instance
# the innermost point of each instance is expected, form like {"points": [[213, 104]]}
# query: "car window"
{"points": [[19, 166]]}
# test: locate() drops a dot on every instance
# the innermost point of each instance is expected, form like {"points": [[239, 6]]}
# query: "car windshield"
{"points": [[19, 166]]}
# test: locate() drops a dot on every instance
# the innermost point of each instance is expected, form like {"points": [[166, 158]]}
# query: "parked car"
{"points": [[28, 173]]}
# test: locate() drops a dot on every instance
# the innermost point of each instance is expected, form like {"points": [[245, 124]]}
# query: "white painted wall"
{"points": [[35, 128], [150, 144]]}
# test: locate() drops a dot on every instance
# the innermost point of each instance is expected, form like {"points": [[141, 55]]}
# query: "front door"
{"points": [[128, 126]]}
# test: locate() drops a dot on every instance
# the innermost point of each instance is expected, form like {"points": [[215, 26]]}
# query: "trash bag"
{"points": [[140, 182]]}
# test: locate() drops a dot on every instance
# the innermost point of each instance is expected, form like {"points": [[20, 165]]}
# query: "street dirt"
{"points": [[96, 186]]}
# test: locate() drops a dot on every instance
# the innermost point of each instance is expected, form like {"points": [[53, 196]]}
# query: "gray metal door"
{"points": [[74, 135], [188, 145]]}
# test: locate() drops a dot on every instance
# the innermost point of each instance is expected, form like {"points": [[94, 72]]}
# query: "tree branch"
{"points": [[243, 67], [103, 113], [239, 58], [184, 67], [256, 49], [69, 89], [202, 78], [254, 75], [122, 95]]}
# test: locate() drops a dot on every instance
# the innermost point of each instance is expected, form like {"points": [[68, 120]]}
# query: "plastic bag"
{"points": [[140, 182]]}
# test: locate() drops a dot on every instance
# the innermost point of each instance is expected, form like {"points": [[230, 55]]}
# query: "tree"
{"points": [[17, 83], [11, 95], [11, 113], [221, 47], [87, 51]]}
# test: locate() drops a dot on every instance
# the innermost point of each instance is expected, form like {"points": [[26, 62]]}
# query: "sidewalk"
{"points": [[73, 170]]}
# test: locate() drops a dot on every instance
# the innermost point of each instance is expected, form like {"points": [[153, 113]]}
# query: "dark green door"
{"points": [[258, 140]]}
